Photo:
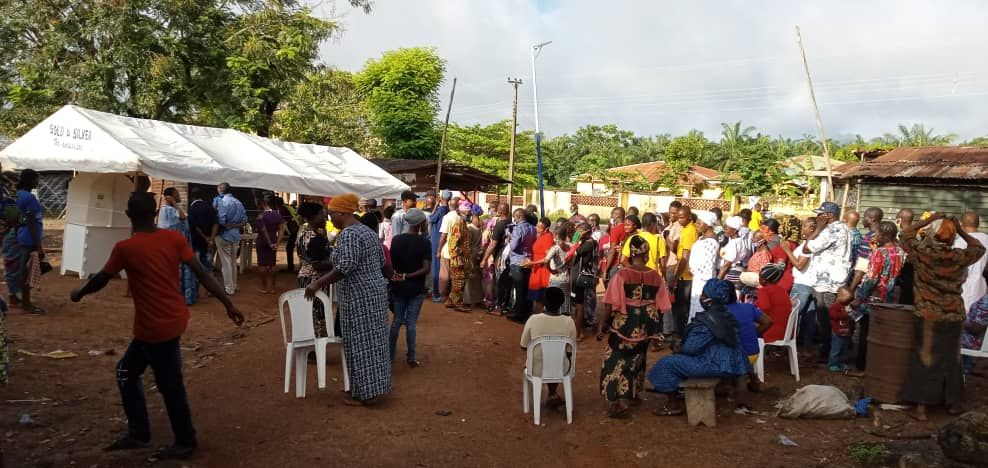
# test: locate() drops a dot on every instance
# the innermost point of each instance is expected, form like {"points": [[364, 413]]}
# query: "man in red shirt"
{"points": [[152, 258]]}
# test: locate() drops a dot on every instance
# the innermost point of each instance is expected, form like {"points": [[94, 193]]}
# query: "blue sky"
{"points": [[667, 67]]}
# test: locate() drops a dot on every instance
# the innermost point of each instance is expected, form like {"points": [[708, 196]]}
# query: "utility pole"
{"points": [[515, 82], [442, 143], [828, 196], [536, 50]]}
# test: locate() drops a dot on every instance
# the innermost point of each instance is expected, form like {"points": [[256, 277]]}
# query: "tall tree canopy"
{"points": [[326, 109], [211, 62], [486, 148], [401, 91]]}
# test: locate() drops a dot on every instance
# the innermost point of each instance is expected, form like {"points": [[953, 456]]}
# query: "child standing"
{"points": [[549, 323], [841, 329], [151, 258]]}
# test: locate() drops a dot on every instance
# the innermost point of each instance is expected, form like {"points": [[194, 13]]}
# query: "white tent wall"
{"points": [[79, 139]]}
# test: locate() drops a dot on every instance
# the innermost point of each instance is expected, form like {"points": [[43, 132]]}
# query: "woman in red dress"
{"points": [[539, 280]]}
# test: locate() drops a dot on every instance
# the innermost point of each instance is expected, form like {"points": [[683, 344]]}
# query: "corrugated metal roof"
{"points": [[946, 162], [655, 170], [455, 176]]}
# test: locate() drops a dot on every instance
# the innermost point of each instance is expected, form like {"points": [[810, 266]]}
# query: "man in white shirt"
{"points": [[443, 254], [830, 266], [398, 224], [974, 287]]}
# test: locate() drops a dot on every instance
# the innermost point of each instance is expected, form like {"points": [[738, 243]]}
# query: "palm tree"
{"points": [[732, 139], [918, 135]]}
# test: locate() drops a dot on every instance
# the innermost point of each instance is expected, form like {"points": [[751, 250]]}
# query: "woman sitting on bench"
{"points": [[711, 348]]}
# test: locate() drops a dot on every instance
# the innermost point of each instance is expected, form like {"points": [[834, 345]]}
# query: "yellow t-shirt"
{"points": [[756, 220], [687, 238], [656, 247], [330, 228]]}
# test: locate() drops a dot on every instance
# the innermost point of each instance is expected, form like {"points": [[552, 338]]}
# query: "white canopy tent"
{"points": [[84, 140], [102, 147]]}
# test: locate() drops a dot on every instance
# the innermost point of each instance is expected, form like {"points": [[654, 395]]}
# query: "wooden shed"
{"points": [[945, 179]]}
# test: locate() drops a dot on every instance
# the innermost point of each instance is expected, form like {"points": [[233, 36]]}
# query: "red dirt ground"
{"points": [[471, 367]]}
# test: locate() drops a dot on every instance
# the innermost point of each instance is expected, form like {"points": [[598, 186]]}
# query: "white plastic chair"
{"points": [[553, 350], [981, 353], [788, 341], [303, 340]]}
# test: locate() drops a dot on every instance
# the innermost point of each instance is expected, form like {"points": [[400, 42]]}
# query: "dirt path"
{"points": [[471, 368]]}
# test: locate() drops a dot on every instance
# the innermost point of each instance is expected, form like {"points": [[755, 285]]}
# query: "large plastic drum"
{"points": [[890, 340]]}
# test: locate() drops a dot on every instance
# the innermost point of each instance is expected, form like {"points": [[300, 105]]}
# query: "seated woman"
{"points": [[711, 348]]}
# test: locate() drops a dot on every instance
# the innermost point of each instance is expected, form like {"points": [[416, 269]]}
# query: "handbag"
{"points": [[587, 280]]}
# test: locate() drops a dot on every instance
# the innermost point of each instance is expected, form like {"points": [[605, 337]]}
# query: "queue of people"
{"points": [[705, 286]]}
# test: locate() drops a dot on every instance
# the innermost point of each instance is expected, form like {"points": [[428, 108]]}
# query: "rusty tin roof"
{"points": [[958, 163]]}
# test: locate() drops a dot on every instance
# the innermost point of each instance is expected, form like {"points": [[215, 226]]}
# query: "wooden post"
{"points": [[442, 143], [819, 120], [514, 132], [843, 201]]}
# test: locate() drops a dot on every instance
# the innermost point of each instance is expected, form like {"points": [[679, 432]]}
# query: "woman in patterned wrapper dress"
{"points": [[313, 251], [934, 375], [460, 258], [360, 269], [636, 298]]}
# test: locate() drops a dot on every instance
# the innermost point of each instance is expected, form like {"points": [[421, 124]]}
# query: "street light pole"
{"points": [[536, 49]]}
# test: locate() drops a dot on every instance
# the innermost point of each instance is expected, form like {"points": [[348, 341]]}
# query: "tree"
{"points": [[268, 52], [977, 141], [144, 58], [732, 142], [594, 149], [682, 154], [401, 92], [486, 148], [918, 135], [326, 109], [211, 62]]}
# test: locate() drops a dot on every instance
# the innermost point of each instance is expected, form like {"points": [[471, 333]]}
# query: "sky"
{"points": [[667, 67]]}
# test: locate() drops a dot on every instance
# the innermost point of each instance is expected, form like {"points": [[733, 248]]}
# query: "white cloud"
{"points": [[667, 67]]}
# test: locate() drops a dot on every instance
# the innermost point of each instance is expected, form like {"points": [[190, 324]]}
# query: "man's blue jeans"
{"points": [[406, 310], [801, 297], [205, 258]]}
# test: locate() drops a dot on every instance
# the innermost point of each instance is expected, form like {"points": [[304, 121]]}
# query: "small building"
{"points": [[420, 175], [697, 180], [952, 180]]}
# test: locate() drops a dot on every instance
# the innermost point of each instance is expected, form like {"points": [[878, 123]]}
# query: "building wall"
{"points": [[952, 200]]}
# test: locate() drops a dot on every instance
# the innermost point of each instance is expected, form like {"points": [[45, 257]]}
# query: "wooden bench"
{"points": [[701, 401]]}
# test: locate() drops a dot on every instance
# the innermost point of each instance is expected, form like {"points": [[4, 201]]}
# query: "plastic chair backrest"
{"points": [[300, 311], [791, 326], [553, 349]]}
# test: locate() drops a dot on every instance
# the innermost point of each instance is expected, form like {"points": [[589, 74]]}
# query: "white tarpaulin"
{"points": [[84, 140]]}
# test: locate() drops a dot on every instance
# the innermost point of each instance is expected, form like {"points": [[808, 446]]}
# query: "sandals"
{"points": [[36, 310], [174, 452], [617, 411], [554, 401], [126, 443], [666, 411]]}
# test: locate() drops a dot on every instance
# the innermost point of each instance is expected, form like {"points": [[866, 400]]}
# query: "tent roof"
{"points": [[79, 139]]}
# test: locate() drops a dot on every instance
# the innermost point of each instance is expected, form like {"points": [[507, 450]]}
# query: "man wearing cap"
{"points": [[448, 221], [412, 259], [830, 246], [439, 208], [399, 225]]}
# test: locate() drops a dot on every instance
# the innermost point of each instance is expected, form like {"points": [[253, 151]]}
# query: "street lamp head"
{"points": [[539, 46]]}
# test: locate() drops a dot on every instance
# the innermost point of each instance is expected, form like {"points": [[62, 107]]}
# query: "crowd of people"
{"points": [[705, 286]]}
